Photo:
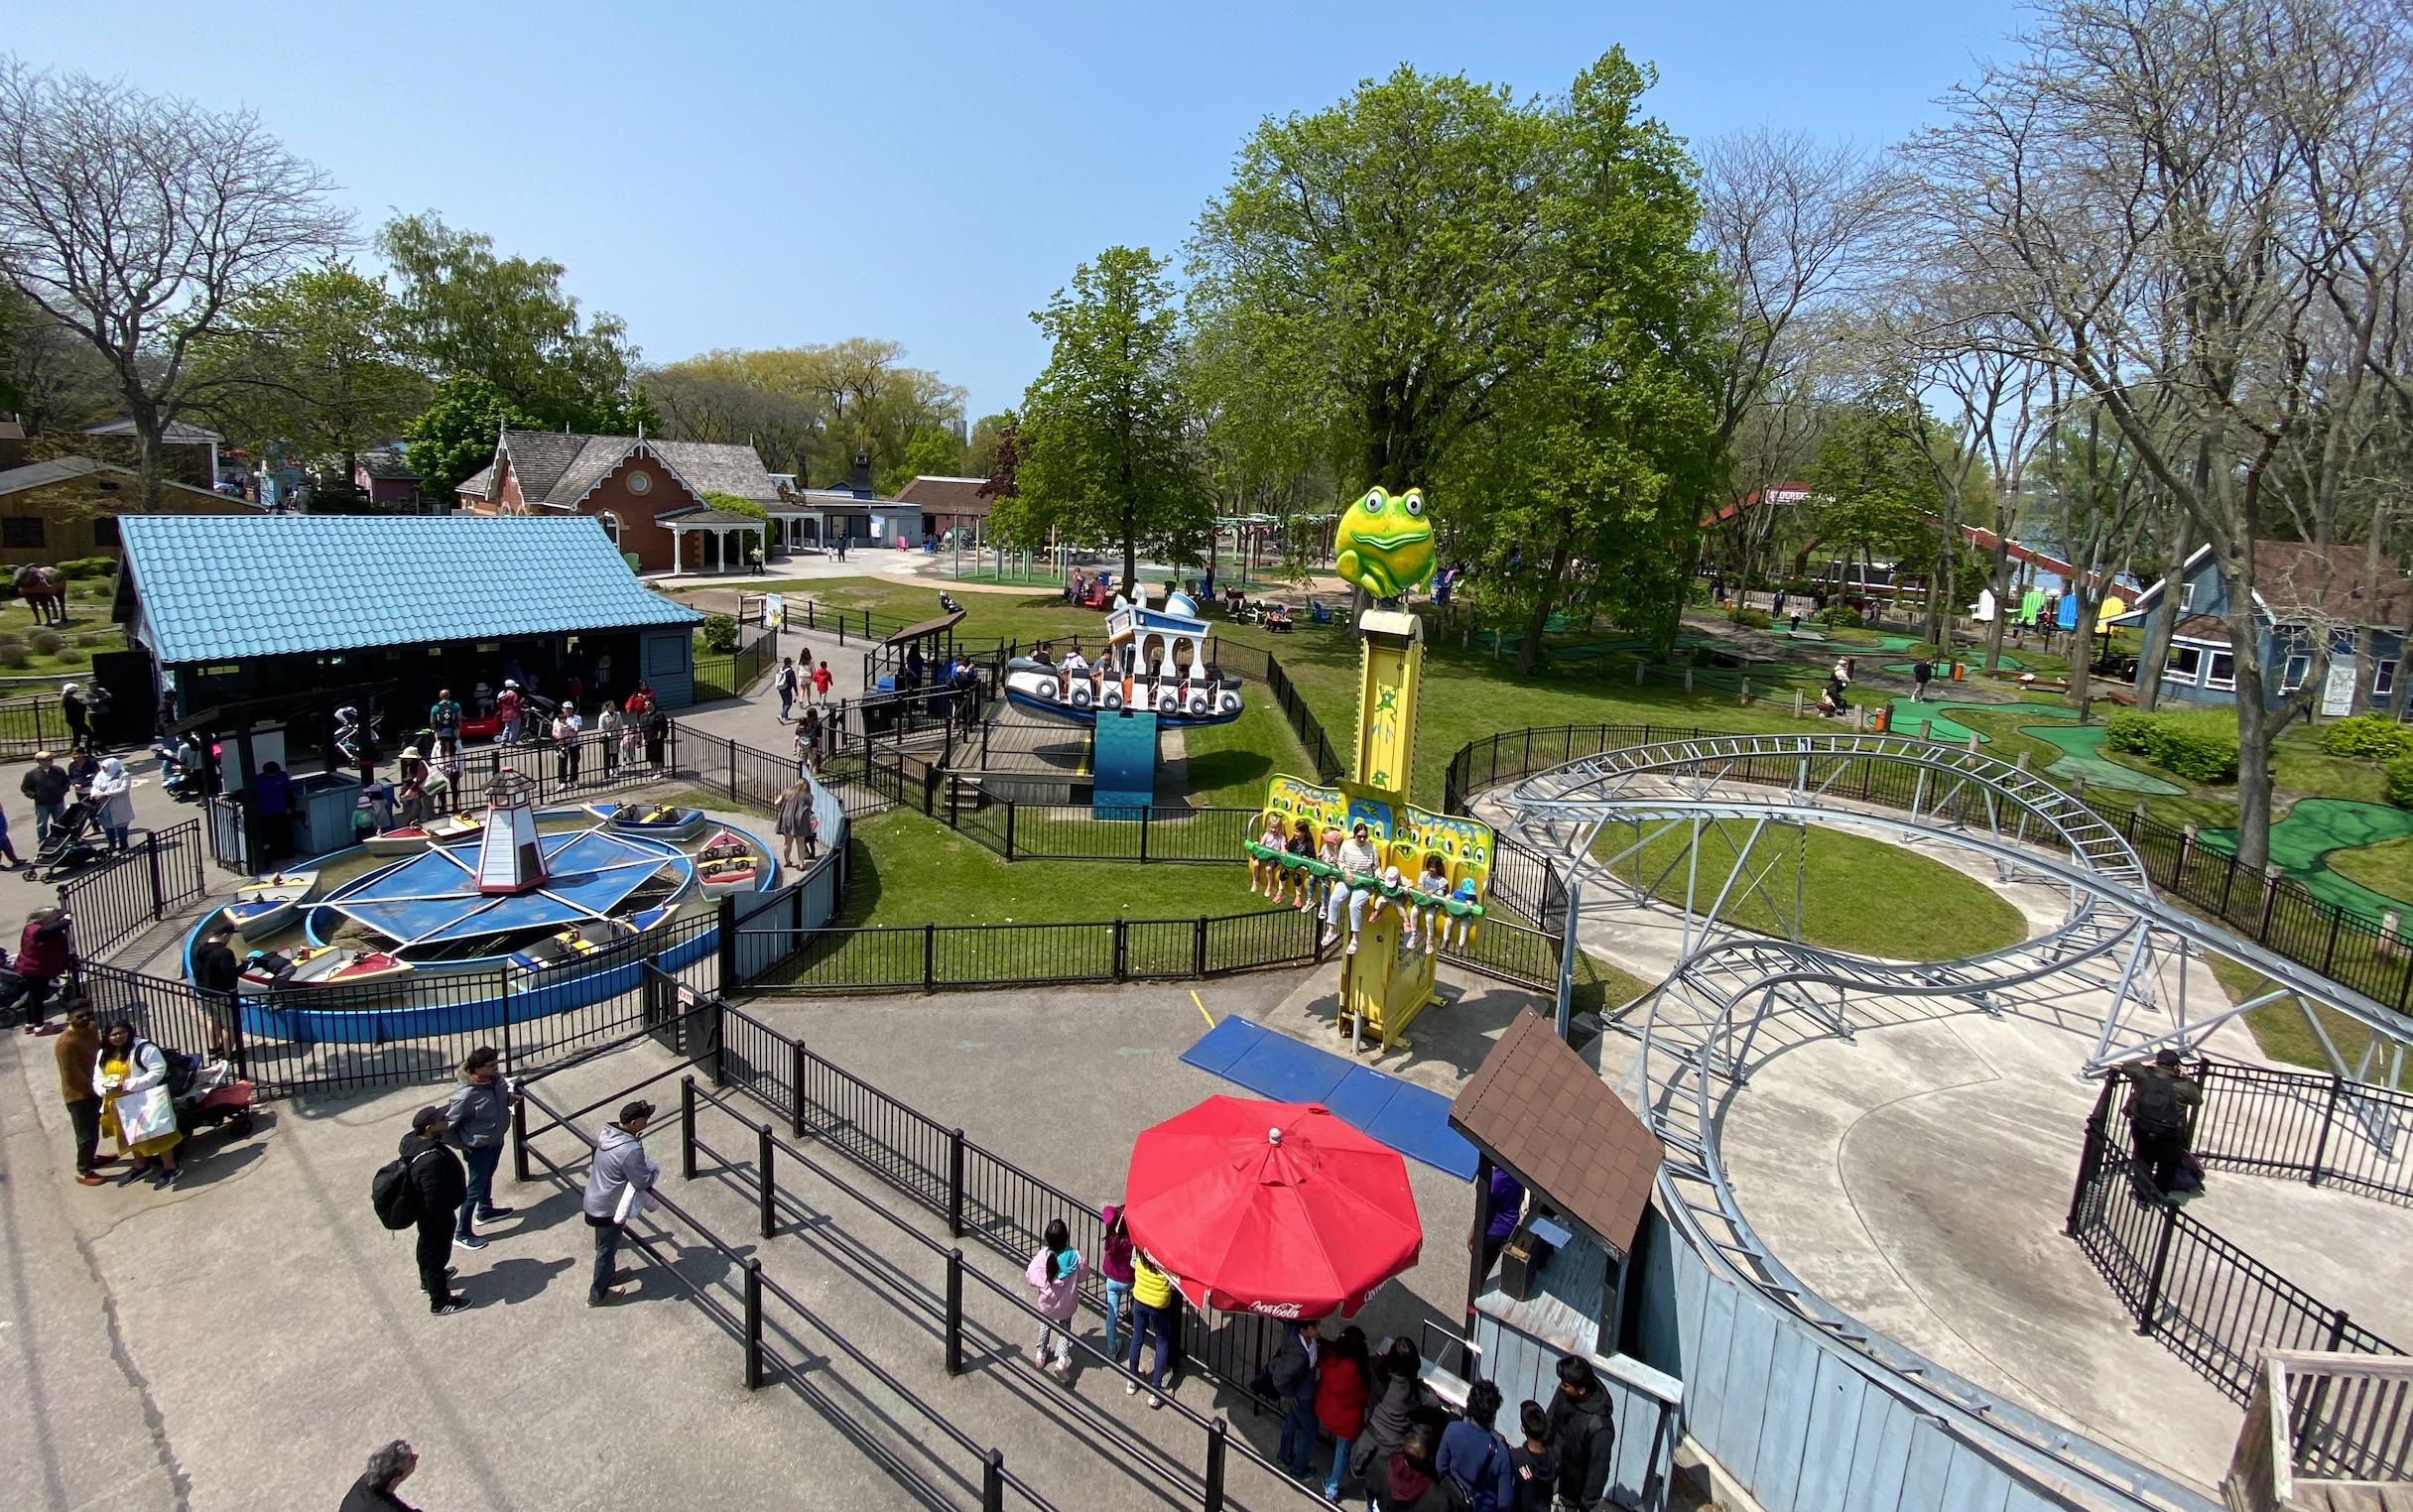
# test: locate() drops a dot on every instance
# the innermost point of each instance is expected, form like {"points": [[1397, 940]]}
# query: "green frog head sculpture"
{"points": [[1384, 543]]}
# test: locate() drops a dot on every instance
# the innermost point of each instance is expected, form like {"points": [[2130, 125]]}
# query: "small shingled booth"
{"points": [[1536, 1111]]}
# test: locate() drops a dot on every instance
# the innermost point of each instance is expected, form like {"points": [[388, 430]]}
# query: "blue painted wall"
{"points": [[667, 659]]}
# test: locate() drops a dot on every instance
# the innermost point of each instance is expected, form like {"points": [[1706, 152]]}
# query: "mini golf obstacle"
{"points": [[512, 926]]}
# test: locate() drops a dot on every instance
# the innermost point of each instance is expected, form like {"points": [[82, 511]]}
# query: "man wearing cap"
{"points": [[2161, 1101], [443, 1187], [507, 709], [619, 1185], [47, 784]]}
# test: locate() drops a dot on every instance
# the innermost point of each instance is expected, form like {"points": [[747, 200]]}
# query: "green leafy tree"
{"points": [[1102, 452], [459, 309], [1364, 260], [455, 434], [306, 363], [929, 452], [1875, 488], [1605, 445]]}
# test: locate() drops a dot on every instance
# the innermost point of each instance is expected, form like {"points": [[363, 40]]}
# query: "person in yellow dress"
{"points": [[131, 1079]]}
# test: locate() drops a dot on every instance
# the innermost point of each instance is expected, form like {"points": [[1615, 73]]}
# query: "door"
{"points": [[2338, 693]]}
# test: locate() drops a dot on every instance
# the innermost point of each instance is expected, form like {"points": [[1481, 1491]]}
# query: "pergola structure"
{"points": [[714, 525]]}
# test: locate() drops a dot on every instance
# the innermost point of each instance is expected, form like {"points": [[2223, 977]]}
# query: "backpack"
{"points": [[182, 1069], [394, 1195], [2154, 1106], [1484, 1495]]}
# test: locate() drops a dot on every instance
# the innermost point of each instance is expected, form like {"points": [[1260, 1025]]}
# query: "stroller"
{"points": [[207, 1093], [70, 846]]}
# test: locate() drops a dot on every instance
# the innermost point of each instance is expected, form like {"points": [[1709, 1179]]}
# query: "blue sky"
{"points": [[761, 174]]}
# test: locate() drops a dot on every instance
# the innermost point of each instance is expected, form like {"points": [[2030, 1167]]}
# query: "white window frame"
{"points": [[2293, 671], [2186, 597], [2384, 677], [2211, 669], [2190, 674]]}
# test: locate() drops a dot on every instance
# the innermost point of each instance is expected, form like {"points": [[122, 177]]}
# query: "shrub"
{"points": [[2368, 737], [96, 638], [89, 567], [46, 641], [69, 654], [14, 654], [2399, 772], [2200, 745], [719, 634], [1750, 619], [1841, 618]]}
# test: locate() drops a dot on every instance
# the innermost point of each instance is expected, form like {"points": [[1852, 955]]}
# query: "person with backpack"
{"points": [[619, 1185], [1474, 1457], [1114, 1269], [477, 1122], [424, 1187], [2161, 1101], [1291, 1375], [1055, 1274], [1922, 673], [1582, 1433], [1533, 1466], [138, 1108], [1341, 1384], [784, 681]]}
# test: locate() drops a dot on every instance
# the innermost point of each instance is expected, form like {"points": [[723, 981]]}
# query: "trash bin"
{"points": [[323, 812]]}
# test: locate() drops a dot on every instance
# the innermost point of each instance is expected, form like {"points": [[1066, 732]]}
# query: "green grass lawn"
{"points": [[88, 629], [1857, 893], [909, 870], [2385, 868], [1229, 764]]}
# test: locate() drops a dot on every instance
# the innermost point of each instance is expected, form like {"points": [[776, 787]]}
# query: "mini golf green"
{"points": [[2081, 746], [1903, 668], [2300, 846]]}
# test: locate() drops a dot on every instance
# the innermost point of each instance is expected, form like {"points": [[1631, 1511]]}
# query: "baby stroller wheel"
{"points": [[239, 1126]]}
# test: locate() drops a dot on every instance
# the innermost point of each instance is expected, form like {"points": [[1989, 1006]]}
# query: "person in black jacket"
{"points": [[1583, 1433], [389, 1466], [442, 1186], [215, 974]]}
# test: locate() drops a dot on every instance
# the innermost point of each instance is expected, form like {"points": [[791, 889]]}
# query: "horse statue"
{"points": [[45, 592]]}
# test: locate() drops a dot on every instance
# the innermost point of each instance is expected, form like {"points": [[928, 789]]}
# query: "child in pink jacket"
{"points": [[1055, 1273]]}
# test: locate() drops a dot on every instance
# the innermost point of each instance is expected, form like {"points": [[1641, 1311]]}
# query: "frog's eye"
{"points": [[1414, 504], [1372, 503]]}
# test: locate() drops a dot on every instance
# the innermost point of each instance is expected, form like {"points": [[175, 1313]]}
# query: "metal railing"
{"points": [[737, 1293], [981, 1196], [128, 893], [376, 1034], [2209, 1302], [2330, 1130], [38, 723]]}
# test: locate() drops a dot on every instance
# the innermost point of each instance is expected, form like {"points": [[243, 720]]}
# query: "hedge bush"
{"points": [[46, 641], [1750, 619], [719, 634], [1841, 618], [2400, 773], [2200, 745], [2368, 737], [89, 567]]}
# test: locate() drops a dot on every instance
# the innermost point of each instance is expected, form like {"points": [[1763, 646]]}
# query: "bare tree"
{"points": [[135, 219], [1793, 224], [2136, 193]]}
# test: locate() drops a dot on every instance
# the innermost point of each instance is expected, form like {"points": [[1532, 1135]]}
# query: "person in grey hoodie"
{"points": [[478, 1120], [617, 1184]]}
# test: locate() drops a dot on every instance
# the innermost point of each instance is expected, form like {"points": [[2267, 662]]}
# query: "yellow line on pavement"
{"points": [[1210, 1018]]}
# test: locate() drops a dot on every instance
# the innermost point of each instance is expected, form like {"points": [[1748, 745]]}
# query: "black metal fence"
{"points": [[931, 956], [32, 724], [2331, 1131], [2210, 1302], [940, 1172], [980, 1195], [129, 893], [416, 1028], [725, 674], [1245, 661]]}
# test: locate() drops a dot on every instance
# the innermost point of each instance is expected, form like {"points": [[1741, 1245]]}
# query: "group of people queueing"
{"points": [[1390, 1432], [1344, 880]]}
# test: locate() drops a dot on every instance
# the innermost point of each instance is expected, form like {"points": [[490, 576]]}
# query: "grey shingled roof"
{"points": [[478, 484], [559, 468], [382, 463]]}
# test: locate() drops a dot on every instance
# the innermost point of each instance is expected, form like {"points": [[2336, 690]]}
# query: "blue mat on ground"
{"points": [[1409, 1118]]}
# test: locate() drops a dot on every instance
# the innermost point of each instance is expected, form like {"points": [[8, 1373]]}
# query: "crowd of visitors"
{"points": [[1391, 1433]]}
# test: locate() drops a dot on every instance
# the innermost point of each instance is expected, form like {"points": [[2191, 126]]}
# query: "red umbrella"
{"points": [[1273, 1208]]}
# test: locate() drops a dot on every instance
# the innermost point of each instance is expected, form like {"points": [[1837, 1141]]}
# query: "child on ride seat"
{"points": [[1434, 883], [1265, 875]]}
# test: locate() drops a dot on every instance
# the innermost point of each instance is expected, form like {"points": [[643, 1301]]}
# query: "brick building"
{"points": [[647, 494]]}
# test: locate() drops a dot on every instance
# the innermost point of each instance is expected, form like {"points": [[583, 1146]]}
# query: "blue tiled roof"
{"points": [[216, 587]]}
